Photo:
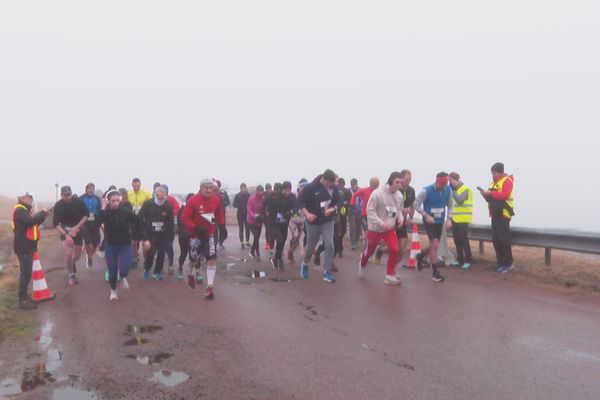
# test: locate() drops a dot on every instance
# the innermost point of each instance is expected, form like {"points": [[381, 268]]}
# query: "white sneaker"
{"points": [[113, 295], [100, 254], [361, 271], [392, 280], [125, 283]]}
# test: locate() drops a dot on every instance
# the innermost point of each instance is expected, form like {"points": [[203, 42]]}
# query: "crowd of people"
{"points": [[315, 219]]}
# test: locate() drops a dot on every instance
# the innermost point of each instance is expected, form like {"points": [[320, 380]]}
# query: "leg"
{"points": [[160, 256], [391, 241], [169, 248], [124, 260], [184, 247], [371, 242], [458, 242], [112, 255], [467, 244], [327, 231], [343, 230], [313, 233], [26, 267], [149, 256]]}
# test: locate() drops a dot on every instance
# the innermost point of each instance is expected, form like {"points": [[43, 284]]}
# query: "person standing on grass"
{"points": [[26, 232]]}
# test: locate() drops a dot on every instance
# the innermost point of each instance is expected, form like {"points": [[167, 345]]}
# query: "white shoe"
{"points": [[113, 295], [392, 280], [361, 271], [100, 254], [125, 283]]}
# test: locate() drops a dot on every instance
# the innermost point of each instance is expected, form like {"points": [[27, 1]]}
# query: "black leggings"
{"points": [[279, 232], [184, 247], [256, 231], [241, 220]]}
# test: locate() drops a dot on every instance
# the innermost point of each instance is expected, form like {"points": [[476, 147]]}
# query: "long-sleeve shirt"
{"points": [[316, 198], [203, 211], [254, 210], [156, 220], [118, 224], [364, 194], [384, 208]]}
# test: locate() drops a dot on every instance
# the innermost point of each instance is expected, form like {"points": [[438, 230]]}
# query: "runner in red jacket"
{"points": [[201, 216]]}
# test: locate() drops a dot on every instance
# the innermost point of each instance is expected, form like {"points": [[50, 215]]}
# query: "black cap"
{"points": [[498, 167], [65, 191]]}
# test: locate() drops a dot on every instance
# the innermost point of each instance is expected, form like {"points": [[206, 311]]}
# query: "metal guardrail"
{"points": [[581, 242]]}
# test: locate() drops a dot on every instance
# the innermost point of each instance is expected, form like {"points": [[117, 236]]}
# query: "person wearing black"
{"points": [[70, 214], [91, 232], [156, 216], [344, 204], [318, 202], [224, 197], [118, 221], [409, 195], [280, 206], [184, 239], [268, 192], [240, 202], [26, 236]]}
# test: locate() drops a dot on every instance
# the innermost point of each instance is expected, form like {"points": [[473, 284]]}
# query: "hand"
{"points": [[310, 217], [69, 239], [45, 210], [429, 219], [329, 211], [386, 227], [74, 231], [448, 224], [104, 203], [147, 245]]}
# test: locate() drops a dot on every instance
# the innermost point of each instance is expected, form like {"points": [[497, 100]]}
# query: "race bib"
{"points": [[437, 212], [210, 217], [280, 217], [158, 226], [392, 212], [325, 204]]}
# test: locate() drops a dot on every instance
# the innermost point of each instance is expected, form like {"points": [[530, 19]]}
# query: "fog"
{"points": [[266, 91]]}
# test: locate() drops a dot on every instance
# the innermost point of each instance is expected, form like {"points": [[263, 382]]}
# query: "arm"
{"points": [[460, 198], [236, 201], [220, 215], [372, 212], [418, 204], [23, 217], [504, 195], [450, 206]]}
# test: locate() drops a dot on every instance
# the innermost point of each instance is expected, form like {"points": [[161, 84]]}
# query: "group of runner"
{"points": [[316, 217]]}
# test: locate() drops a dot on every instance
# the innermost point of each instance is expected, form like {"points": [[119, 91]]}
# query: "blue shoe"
{"points": [[304, 270], [158, 277], [466, 266], [146, 274], [328, 277]]}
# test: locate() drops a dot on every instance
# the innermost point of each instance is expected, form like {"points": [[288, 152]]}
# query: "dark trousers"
{"points": [[256, 231], [279, 232], [26, 264], [501, 240], [169, 249], [184, 248], [243, 225], [159, 247], [340, 232], [222, 233], [460, 234]]}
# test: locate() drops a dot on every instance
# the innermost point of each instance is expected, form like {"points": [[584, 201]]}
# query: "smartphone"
{"points": [[480, 188]]}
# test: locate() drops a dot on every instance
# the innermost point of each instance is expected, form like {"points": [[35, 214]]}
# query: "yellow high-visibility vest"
{"points": [[464, 212], [498, 186], [33, 232]]}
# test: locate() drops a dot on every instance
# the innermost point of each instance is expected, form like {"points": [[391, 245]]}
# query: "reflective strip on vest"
{"points": [[464, 212], [33, 232], [510, 201]]}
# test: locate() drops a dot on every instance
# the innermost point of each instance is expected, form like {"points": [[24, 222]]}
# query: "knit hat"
{"points": [[498, 167], [205, 182]]}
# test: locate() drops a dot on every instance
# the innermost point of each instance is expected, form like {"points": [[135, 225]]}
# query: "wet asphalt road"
{"points": [[478, 335]]}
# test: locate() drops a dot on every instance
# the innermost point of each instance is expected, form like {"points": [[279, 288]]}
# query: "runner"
{"points": [[343, 206], [384, 216], [364, 194], [297, 223], [318, 202], [434, 199], [184, 241], [156, 217], [91, 231], [117, 221], [170, 251], [255, 219], [137, 197], [408, 212], [222, 228], [354, 216], [201, 216], [279, 208], [240, 202], [70, 214], [26, 237]]}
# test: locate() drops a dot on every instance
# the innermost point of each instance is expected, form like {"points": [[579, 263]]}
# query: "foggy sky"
{"points": [[263, 91]]}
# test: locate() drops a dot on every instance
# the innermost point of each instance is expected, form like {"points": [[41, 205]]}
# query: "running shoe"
{"points": [[88, 262], [199, 278], [158, 276], [328, 277], [125, 283], [304, 270], [392, 280], [146, 274], [455, 264], [179, 274], [191, 282], [361, 271], [437, 278], [466, 266], [113, 295], [209, 294], [72, 280]]}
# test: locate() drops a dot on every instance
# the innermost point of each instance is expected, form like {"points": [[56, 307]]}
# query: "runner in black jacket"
{"points": [[280, 206], [157, 223]]}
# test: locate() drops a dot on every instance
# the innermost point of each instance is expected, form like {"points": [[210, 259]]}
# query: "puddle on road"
{"points": [[9, 387], [170, 378], [228, 266], [143, 328], [45, 338], [284, 280], [36, 377], [150, 360], [136, 341], [73, 394]]}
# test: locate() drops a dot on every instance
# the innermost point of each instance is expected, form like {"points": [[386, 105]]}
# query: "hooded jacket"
{"points": [[316, 198], [205, 212], [384, 207]]}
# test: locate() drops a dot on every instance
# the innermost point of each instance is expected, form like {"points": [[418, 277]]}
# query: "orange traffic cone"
{"points": [[415, 247], [40, 288]]}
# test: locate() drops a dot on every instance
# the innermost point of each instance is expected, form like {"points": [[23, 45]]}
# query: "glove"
{"points": [[200, 230]]}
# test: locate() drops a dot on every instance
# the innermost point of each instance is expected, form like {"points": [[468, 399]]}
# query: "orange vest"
{"points": [[33, 232]]}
